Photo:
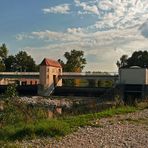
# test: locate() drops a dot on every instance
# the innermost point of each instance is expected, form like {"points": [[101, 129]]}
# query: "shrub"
{"points": [[11, 91]]}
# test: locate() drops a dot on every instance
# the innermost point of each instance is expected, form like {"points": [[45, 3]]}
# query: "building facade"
{"points": [[133, 83], [50, 72]]}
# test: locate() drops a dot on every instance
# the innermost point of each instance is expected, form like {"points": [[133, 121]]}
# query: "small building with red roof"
{"points": [[50, 70]]}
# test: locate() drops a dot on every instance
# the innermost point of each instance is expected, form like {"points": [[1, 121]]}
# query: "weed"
{"points": [[56, 127]]}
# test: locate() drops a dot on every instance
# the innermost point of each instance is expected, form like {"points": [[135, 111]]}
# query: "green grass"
{"points": [[56, 127]]}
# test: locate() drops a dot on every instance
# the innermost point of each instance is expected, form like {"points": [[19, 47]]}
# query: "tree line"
{"points": [[75, 61], [138, 58], [21, 62]]}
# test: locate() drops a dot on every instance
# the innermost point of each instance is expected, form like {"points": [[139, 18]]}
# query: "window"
{"points": [[47, 69]]}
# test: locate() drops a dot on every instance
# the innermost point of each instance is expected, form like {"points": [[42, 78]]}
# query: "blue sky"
{"points": [[103, 29]]}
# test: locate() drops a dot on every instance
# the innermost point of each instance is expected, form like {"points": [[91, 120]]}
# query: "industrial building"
{"points": [[133, 83]]}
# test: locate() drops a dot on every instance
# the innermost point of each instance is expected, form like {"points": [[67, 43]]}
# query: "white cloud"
{"points": [[62, 9], [93, 9], [121, 28], [22, 36], [123, 14], [117, 14], [107, 46]]}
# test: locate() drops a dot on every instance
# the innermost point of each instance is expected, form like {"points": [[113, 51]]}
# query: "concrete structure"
{"points": [[133, 83], [84, 75], [50, 71], [19, 81], [133, 75], [18, 75]]}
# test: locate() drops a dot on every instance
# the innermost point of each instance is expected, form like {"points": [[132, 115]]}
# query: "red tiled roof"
{"points": [[49, 62]]}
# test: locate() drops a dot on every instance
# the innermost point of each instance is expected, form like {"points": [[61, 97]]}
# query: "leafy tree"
{"points": [[3, 52], [3, 56], [2, 66], [75, 62], [24, 62], [138, 58], [10, 63], [122, 62]]}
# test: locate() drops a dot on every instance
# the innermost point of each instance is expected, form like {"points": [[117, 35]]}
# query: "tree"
{"points": [[25, 62], [138, 58], [3, 52], [3, 56], [10, 63], [20, 62], [75, 61], [2, 66], [122, 62]]}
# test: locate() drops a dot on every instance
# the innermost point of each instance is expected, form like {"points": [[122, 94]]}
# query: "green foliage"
{"points": [[20, 62], [2, 66], [3, 52], [35, 129], [122, 62], [24, 62], [3, 56], [56, 127], [138, 58], [16, 111], [10, 63], [75, 61], [11, 91]]}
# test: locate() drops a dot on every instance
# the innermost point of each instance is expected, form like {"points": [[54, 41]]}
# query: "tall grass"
{"points": [[56, 127]]}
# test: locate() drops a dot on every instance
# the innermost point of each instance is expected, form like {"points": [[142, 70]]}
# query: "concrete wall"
{"points": [[147, 76], [49, 79], [19, 81], [133, 76]]}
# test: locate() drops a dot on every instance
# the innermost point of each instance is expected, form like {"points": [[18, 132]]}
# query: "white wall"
{"points": [[147, 76], [133, 76]]}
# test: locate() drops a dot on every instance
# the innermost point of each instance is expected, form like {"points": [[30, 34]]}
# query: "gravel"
{"points": [[121, 131]]}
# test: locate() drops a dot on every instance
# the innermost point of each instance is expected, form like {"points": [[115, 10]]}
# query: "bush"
{"points": [[11, 91], [15, 111]]}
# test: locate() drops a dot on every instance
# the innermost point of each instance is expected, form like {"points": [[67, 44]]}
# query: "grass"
{"points": [[60, 126], [56, 127]]}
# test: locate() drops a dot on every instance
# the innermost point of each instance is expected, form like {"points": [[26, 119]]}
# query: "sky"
{"points": [[103, 29]]}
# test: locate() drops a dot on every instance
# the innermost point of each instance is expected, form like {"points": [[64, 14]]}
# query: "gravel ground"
{"points": [[121, 131]]}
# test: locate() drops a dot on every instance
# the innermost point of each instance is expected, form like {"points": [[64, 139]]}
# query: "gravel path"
{"points": [[121, 131]]}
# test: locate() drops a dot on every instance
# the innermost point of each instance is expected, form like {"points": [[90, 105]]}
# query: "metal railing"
{"points": [[19, 73], [89, 73]]}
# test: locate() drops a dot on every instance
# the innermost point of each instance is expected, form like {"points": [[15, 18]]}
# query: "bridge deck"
{"points": [[65, 75], [27, 75], [102, 76]]}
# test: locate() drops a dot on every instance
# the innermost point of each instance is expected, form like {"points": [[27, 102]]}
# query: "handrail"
{"points": [[64, 73], [89, 74], [19, 73]]}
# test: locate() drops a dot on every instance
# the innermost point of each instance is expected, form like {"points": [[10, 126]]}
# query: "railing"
{"points": [[19, 73], [64, 73], [89, 74]]}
